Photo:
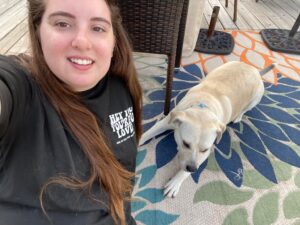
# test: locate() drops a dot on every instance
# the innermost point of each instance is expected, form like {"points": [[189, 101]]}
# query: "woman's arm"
{"points": [[5, 107]]}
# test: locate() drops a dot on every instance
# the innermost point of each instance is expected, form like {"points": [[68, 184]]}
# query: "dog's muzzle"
{"points": [[191, 168]]}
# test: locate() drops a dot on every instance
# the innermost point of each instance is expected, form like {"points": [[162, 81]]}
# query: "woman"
{"points": [[70, 118]]}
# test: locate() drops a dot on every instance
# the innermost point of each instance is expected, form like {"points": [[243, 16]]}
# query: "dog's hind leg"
{"points": [[256, 99], [173, 186], [239, 117]]}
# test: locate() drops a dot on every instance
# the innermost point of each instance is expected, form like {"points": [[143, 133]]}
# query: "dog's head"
{"points": [[195, 132]]}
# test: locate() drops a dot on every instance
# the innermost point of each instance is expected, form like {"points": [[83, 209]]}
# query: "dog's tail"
{"points": [[268, 69]]}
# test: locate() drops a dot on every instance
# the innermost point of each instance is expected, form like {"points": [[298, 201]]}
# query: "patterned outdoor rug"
{"points": [[253, 176]]}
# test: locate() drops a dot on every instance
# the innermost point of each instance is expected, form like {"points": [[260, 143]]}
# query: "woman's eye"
{"points": [[185, 144], [98, 29], [62, 24]]}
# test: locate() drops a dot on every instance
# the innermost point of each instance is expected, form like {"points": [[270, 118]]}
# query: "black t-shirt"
{"points": [[37, 146]]}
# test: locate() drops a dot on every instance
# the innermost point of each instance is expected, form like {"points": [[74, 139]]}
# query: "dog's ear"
{"points": [[176, 118], [220, 130]]}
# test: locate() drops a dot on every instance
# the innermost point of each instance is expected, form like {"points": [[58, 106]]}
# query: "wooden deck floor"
{"points": [[254, 15], [13, 27], [251, 16]]}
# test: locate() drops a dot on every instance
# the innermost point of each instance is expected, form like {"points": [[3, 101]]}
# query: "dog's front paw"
{"points": [[173, 186], [142, 141]]}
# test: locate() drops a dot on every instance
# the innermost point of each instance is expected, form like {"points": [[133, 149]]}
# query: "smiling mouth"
{"points": [[82, 62]]}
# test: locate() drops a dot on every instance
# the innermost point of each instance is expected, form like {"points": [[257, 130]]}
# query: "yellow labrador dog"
{"points": [[200, 118]]}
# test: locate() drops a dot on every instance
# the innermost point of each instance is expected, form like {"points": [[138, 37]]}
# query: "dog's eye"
{"points": [[187, 145], [205, 150]]}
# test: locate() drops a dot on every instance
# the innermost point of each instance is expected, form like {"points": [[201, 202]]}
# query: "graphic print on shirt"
{"points": [[122, 124]]}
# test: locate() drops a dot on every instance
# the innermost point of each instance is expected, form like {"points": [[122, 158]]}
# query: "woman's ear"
{"points": [[176, 118]]}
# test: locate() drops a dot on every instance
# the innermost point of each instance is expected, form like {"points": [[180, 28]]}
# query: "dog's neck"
{"points": [[203, 106]]}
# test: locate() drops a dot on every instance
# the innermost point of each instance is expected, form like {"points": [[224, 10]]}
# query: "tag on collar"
{"points": [[202, 105]]}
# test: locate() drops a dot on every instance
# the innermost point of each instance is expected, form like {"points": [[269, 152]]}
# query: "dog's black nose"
{"points": [[191, 168]]}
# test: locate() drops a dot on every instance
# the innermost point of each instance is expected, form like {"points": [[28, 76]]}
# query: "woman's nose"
{"points": [[81, 41]]}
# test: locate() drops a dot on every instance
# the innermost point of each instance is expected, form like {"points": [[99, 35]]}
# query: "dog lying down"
{"points": [[200, 118]]}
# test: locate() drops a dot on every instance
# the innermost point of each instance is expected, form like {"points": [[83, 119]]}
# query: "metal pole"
{"points": [[295, 27], [213, 21]]}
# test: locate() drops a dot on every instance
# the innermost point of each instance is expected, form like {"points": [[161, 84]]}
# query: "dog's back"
{"points": [[238, 81], [232, 79]]}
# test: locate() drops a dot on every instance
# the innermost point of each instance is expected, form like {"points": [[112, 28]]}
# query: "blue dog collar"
{"points": [[202, 105]]}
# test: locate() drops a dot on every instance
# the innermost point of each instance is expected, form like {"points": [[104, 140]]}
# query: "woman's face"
{"points": [[77, 41]]}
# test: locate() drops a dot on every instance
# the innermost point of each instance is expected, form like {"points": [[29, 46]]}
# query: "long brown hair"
{"points": [[81, 121]]}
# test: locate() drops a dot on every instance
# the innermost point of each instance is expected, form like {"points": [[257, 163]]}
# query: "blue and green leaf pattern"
{"points": [[258, 154]]}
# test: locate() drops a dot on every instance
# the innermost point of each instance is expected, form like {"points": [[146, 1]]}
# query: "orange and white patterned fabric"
{"points": [[250, 48]]}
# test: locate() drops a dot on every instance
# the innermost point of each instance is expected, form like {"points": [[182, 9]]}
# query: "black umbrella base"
{"points": [[220, 43], [280, 41]]}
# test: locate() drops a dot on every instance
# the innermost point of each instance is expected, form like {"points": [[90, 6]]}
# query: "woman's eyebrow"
{"points": [[101, 19], [61, 13], [69, 15]]}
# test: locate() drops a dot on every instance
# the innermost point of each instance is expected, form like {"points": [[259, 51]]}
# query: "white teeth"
{"points": [[81, 61]]}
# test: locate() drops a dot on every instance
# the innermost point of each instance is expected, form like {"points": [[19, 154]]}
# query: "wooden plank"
{"points": [[6, 5], [11, 19], [204, 23], [273, 14], [288, 7], [22, 46], [242, 23], [13, 37], [207, 15], [251, 19], [297, 4], [260, 13], [10, 11], [8, 16], [258, 17], [225, 18]]}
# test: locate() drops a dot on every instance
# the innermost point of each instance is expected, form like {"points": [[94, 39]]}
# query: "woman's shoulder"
{"points": [[11, 68], [17, 79], [10, 61], [15, 75]]}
